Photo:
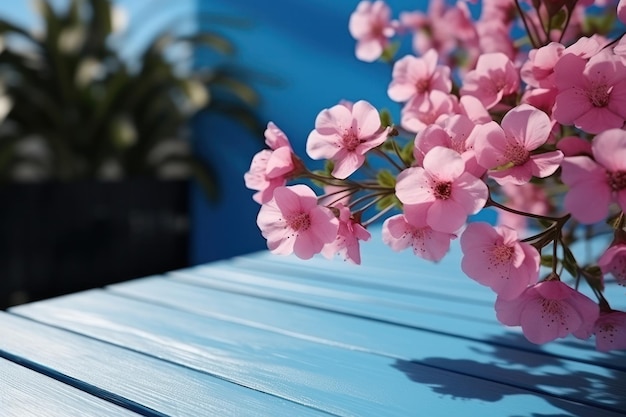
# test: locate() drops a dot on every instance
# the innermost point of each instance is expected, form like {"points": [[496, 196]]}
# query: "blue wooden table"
{"points": [[262, 335]]}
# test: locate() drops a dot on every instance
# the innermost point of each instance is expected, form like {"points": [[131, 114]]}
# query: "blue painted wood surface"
{"points": [[24, 392], [269, 336]]}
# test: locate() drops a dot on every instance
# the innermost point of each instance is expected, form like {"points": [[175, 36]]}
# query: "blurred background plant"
{"points": [[74, 107], [97, 143]]}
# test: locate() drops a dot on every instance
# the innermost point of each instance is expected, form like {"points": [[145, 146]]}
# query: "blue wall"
{"points": [[307, 45]]}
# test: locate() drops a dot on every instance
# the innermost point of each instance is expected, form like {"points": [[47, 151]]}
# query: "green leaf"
{"points": [[390, 52], [558, 19], [328, 167], [386, 179], [210, 40], [242, 114], [227, 84], [546, 260], [388, 201], [407, 153], [319, 183], [123, 111], [385, 118]]}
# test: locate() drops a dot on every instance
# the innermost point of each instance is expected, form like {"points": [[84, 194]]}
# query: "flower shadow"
{"points": [[537, 374]]}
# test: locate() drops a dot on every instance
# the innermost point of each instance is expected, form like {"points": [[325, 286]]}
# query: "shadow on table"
{"points": [[540, 373]]}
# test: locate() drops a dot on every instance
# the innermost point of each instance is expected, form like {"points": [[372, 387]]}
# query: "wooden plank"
{"points": [[387, 270], [137, 381], [394, 272], [327, 376], [467, 320], [423, 279], [25, 392], [270, 281], [489, 357], [382, 268]]}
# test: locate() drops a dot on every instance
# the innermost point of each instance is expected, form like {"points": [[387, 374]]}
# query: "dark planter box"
{"points": [[64, 237]]}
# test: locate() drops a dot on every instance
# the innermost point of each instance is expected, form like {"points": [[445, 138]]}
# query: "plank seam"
{"points": [[146, 354], [83, 386], [358, 316]]}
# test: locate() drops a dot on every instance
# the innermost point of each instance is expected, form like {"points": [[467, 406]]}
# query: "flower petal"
{"points": [[545, 164], [546, 320], [529, 126], [609, 149], [444, 164], [366, 117]]}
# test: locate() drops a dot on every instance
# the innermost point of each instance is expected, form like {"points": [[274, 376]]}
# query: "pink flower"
{"points": [[610, 331], [370, 24], [344, 135], [280, 162], [620, 47], [496, 258], [257, 179], [414, 78], [292, 222], [549, 310], [621, 11], [613, 262], [493, 36], [471, 107], [528, 198], [349, 234], [506, 150], [603, 180], [449, 193], [275, 138], [586, 47], [410, 229], [494, 27], [592, 95], [540, 98], [454, 132], [428, 29], [415, 118], [574, 146], [495, 76], [270, 168], [538, 71]]}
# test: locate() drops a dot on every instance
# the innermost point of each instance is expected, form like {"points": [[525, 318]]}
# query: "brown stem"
{"points": [[491, 202], [526, 27]]}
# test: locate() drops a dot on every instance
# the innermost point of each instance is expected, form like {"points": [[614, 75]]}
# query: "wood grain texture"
{"points": [[157, 387], [26, 393], [332, 373], [414, 300]]}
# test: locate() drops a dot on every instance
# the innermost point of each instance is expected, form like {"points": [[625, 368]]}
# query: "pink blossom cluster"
{"points": [[531, 124]]}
